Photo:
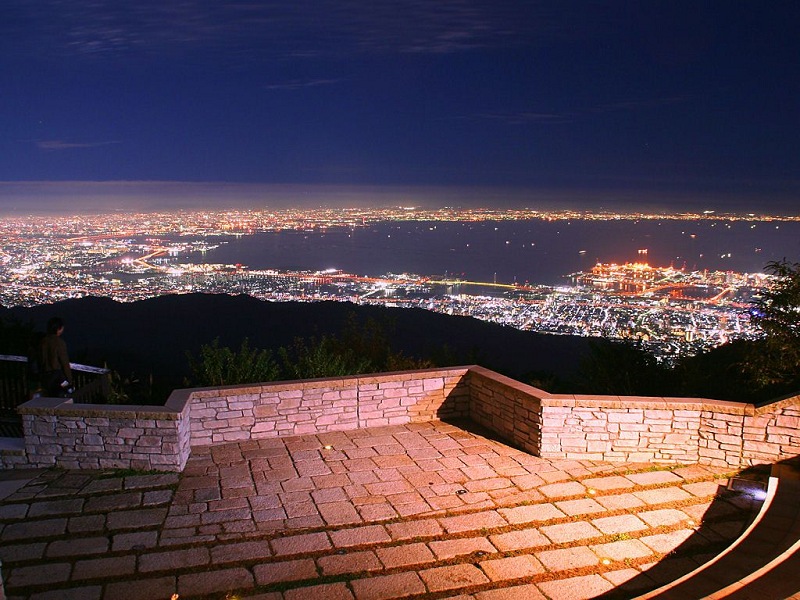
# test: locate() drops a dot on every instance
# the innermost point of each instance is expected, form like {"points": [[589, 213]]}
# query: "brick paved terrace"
{"points": [[417, 510]]}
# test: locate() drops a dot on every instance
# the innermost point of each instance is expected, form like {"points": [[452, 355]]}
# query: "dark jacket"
{"points": [[54, 356]]}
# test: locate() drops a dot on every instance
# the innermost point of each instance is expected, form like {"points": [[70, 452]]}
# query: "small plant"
{"points": [[221, 366]]}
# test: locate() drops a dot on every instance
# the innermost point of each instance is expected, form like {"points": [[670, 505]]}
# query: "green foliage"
{"points": [[323, 357], [775, 360], [371, 341], [622, 368], [221, 366], [118, 392], [361, 348]]}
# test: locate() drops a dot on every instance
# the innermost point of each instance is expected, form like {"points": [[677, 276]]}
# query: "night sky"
{"points": [[683, 98]]}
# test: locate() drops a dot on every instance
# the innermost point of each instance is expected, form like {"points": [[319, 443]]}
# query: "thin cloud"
{"points": [[53, 145]]}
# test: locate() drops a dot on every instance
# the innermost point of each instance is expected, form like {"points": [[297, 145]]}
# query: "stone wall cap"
{"points": [[777, 404], [339, 382], [119, 411], [507, 381]]}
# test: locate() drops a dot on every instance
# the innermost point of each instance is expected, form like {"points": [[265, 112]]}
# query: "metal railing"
{"points": [[92, 384]]}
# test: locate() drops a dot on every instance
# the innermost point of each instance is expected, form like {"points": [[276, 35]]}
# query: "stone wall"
{"points": [[509, 408], [607, 428], [82, 436], [227, 414], [772, 432]]}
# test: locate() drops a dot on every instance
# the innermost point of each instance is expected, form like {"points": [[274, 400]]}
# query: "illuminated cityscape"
{"points": [[131, 257]]}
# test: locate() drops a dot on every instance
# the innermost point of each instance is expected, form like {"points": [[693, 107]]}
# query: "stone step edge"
{"points": [[772, 488], [455, 535], [357, 575], [446, 513], [544, 577], [314, 555], [466, 534]]}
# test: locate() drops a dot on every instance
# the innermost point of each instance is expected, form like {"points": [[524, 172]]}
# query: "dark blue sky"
{"points": [[675, 97]]}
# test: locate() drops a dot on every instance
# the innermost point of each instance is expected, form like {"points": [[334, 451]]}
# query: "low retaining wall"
{"points": [[607, 428], [234, 413], [87, 436], [509, 408]]}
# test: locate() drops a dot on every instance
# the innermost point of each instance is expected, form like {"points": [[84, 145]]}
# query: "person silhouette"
{"points": [[56, 372]]}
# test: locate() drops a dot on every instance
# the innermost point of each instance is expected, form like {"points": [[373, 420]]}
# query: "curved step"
{"points": [[757, 559]]}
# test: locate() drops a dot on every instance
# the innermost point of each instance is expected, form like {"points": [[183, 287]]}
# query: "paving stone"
{"points": [[452, 577], [70, 506], [127, 541], [104, 567], [406, 530], [301, 544], [446, 549], [629, 579], [515, 567], [110, 484], [576, 588], [36, 575], [327, 591], [665, 517], [77, 546], [584, 506], [289, 570], [175, 559], [619, 501], [519, 540], [667, 542], [703, 488], [225, 515], [405, 555], [527, 482], [610, 482], [622, 550], [473, 521], [10, 553], [662, 495], [357, 536], [144, 589], [385, 587], [13, 511], [567, 558], [150, 481], [34, 529], [526, 591], [157, 497], [377, 512], [654, 477], [557, 490], [670, 569], [86, 524], [92, 592], [136, 519], [339, 513], [114, 502], [412, 509], [241, 551], [530, 513], [223, 580], [619, 524], [352, 562], [550, 473], [570, 532]]}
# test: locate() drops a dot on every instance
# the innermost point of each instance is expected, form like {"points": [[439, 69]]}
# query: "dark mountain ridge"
{"points": [[153, 336]]}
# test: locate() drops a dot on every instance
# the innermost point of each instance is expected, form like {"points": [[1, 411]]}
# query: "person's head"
{"points": [[55, 326]]}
